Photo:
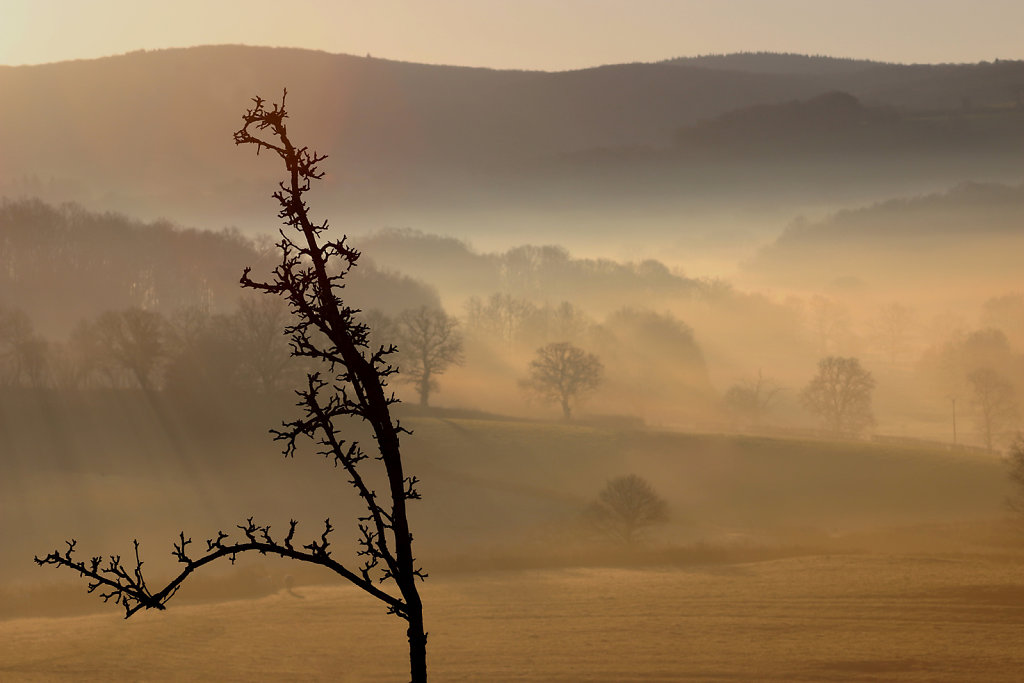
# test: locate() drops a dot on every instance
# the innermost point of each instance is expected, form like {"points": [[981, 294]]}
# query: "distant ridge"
{"points": [[980, 224], [148, 133], [778, 63]]}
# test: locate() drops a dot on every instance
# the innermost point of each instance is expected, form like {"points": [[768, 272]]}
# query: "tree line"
{"points": [[198, 354]]}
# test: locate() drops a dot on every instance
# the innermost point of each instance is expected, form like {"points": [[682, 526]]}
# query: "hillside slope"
{"points": [[489, 486]]}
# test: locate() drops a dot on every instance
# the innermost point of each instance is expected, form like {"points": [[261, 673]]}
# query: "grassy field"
{"points": [[490, 487], [785, 559], [811, 618]]}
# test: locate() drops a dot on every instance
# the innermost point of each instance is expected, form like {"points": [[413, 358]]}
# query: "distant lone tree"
{"points": [[840, 394], [625, 507], [561, 373], [350, 385], [429, 343], [994, 405]]}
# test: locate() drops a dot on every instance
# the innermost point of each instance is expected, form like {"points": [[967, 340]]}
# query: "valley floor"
{"points": [[824, 617]]}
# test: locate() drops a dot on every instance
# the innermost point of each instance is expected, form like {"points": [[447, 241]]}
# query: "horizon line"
{"points": [[369, 55]]}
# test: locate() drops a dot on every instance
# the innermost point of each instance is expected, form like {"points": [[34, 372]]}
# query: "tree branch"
{"points": [[128, 587]]}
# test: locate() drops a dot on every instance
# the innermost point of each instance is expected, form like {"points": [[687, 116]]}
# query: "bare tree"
{"points": [[566, 321], [993, 403], [840, 394], [24, 355], [429, 343], [890, 327], [751, 399], [830, 322], [626, 506], [383, 328], [350, 386], [1006, 313], [502, 316], [211, 360], [561, 373], [1016, 500], [263, 349], [91, 359], [136, 340]]}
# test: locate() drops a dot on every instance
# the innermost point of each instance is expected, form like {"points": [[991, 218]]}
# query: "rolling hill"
{"points": [[148, 132]]}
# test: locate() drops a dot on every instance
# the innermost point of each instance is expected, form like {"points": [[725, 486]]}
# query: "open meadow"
{"points": [[849, 617]]}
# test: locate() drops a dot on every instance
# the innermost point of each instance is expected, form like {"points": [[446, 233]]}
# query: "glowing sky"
{"points": [[533, 34]]}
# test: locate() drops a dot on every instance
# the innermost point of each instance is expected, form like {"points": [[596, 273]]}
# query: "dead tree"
{"points": [[351, 385]]}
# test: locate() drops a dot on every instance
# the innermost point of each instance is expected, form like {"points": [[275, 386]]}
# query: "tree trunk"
{"points": [[425, 390], [417, 648], [566, 411]]}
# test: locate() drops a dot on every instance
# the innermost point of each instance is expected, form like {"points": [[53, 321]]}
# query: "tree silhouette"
{"points": [[23, 353], [135, 340], [625, 506], [751, 399], [430, 342], [502, 316], [257, 325], [993, 402], [561, 373], [350, 385], [891, 326], [1016, 462], [840, 394]]}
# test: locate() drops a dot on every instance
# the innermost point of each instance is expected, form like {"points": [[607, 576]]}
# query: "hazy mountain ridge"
{"points": [[148, 132], [391, 109], [840, 124], [969, 208], [908, 86]]}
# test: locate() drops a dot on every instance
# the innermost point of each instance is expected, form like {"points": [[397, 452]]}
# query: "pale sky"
{"points": [[530, 34]]}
